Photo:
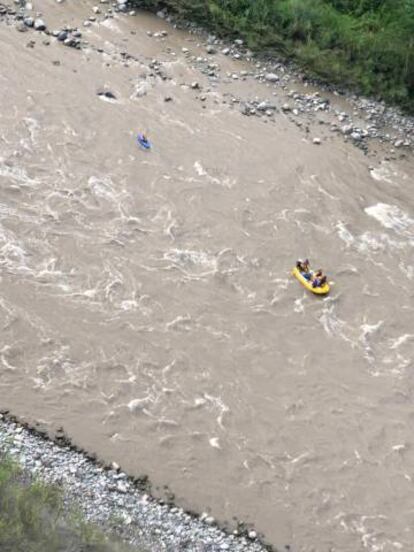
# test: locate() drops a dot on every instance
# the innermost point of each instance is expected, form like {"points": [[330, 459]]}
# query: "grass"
{"points": [[33, 518]]}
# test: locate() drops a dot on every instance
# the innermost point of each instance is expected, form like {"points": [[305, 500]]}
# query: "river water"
{"points": [[146, 302]]}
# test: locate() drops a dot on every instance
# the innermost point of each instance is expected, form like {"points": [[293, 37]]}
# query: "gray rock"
{"points": [[356, 136], [72, 42], [244, 109], [62, 36], [210, 49], [39, 25], [272, 77], [107, 94], [21, 27], [347, 129], [316, 141], [28, 21]]}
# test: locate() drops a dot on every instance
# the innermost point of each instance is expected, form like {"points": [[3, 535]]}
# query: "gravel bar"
{"points": [[115, 501]]}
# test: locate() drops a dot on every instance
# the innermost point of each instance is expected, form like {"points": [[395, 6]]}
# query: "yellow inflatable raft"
{"points": [[321, 290]]}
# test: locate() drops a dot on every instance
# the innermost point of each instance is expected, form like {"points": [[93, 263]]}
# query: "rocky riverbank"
{"points": [[114, 501], [364, 122], [223, 78]]}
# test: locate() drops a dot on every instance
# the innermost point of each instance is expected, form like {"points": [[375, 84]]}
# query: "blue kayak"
{"points": [[143, 142]]}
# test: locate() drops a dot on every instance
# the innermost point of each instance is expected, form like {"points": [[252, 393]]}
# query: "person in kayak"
{"points": [[303, 267], [319, 279]]}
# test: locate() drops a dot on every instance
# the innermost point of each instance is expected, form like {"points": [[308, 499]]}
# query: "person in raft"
{"points": [[319, 279], [303, 267]]}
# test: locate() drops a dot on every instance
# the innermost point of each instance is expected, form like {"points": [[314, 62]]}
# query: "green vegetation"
{"points": [[33, 518], [367, 45]]}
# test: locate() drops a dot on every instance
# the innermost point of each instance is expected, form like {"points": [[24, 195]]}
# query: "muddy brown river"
{"points": [[146, 301]]}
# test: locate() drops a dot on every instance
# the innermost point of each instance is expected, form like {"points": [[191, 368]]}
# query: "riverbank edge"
{"points": [[115, 501], [280, 47], [385, 113]]}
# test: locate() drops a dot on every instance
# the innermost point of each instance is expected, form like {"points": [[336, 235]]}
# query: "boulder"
{"points": [[39, 25]]}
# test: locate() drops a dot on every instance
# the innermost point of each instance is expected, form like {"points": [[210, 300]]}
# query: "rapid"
{"points": [[146, 301]]}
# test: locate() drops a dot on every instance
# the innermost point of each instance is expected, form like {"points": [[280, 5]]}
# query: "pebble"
{"points": [[316, 141]]}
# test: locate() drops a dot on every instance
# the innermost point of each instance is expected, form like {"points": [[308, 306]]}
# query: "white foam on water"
{"points": [[4, 361], [393, 218], [12, 252], [369, 242], [332, 325], [299, 305], [326, 193], [214, 442], [395, 343], [182, 322], [383, 174], [226, 182], [17, 175], [199, 169], [344, 234], [368, 330], [389, 174], [218, 403], [191, 262]]}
